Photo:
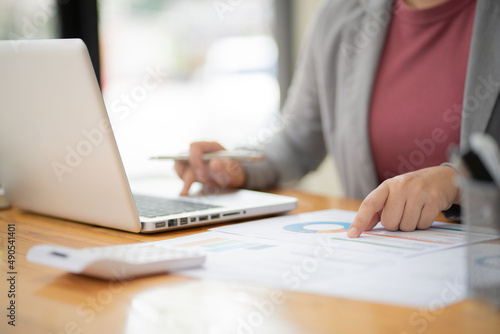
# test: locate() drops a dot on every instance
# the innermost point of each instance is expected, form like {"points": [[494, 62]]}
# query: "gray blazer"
{"points": [[328, 103]]}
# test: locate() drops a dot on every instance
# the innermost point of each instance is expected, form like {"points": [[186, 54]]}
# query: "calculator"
{"points": [[119, 262]]}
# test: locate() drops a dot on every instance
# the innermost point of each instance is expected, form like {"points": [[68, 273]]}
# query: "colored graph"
{"points": [[318, 227], [222, 245]]}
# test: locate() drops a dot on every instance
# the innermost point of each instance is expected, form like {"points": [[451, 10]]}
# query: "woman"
{"points": [[386, 88]]}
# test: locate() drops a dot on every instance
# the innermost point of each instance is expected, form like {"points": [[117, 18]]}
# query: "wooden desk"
{"points": [[52, 301]]}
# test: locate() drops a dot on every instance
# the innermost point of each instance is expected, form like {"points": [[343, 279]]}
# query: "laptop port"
{"points": [[230, 214], [183, 221], [217, 216], [160, 225], [172, 222], [192, 219], [203, 218]]}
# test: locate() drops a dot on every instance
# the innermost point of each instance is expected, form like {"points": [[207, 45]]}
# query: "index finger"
{"points": [[188, 179], [369, 212]]}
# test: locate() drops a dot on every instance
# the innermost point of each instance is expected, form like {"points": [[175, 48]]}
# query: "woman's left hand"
{"points": [[408, 201]]}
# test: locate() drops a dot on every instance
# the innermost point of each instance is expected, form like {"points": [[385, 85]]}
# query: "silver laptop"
{"points": [[58, 155]]}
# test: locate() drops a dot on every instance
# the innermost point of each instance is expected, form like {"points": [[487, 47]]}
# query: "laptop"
{"points": [[58, 155]]}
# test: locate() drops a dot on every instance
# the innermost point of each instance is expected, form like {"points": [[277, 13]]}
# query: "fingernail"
{"points": [[353, 232]]}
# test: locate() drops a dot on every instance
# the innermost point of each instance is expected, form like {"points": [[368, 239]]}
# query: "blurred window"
{"points": [[28, 19], [176, 71]]}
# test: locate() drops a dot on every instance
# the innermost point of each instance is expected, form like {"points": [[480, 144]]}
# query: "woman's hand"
{"points": [[222, 173], [408, 202]]}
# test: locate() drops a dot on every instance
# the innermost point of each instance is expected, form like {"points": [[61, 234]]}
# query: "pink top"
{"points": [[419, 84]]}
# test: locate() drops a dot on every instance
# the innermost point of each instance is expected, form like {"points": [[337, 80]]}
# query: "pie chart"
{"points": [[318, 227]]}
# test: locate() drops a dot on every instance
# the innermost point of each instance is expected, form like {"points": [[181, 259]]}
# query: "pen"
{"points": [[241, 156]]}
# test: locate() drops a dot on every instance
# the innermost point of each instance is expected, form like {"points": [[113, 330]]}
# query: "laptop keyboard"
{"points": [[156, 207]]}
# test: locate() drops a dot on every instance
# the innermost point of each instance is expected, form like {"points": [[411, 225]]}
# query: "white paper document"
{"points": [[333, 224], [311, 253]]}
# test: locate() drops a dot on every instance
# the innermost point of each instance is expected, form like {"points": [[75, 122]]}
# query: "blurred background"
{"points": [[177, 71]]}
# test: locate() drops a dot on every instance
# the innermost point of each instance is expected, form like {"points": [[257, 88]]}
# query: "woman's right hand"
{"points": [[221, 173]]}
